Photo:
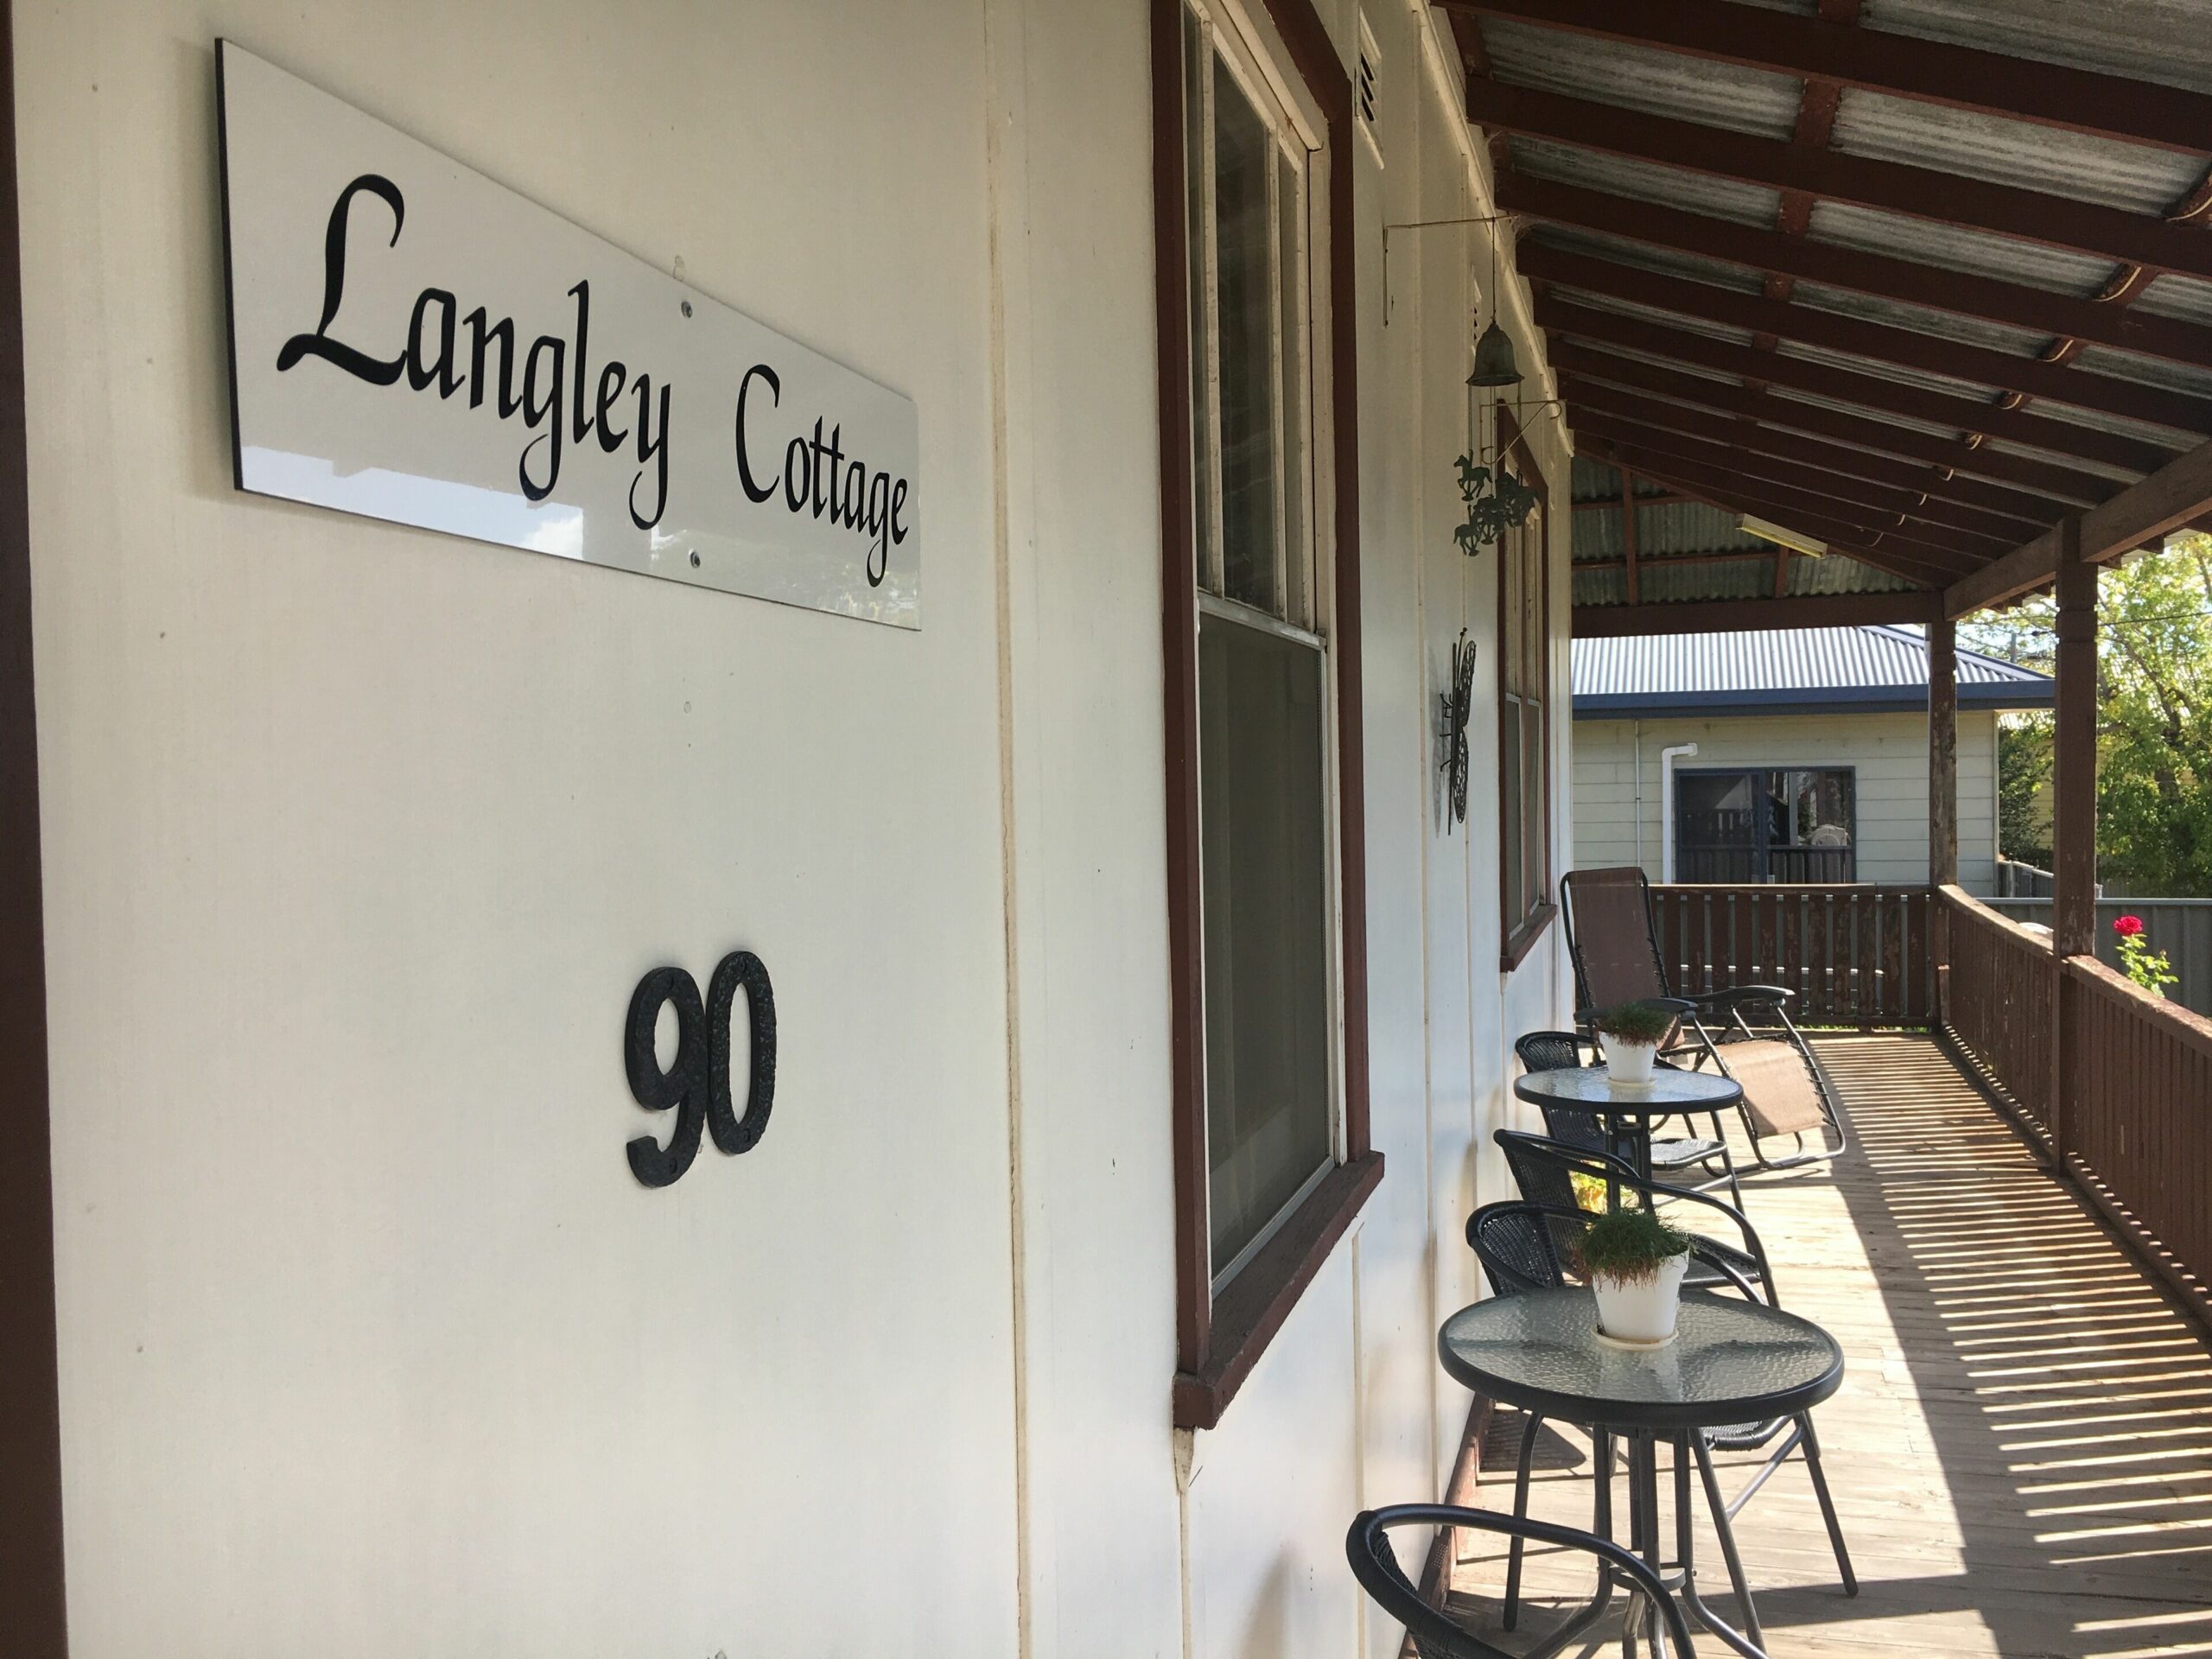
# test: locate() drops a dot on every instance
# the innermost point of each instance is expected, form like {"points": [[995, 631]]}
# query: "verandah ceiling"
{"points": [[1915, 278]]}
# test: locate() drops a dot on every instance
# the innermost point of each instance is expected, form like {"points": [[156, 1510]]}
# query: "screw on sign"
{"points": [[696, 1082]]}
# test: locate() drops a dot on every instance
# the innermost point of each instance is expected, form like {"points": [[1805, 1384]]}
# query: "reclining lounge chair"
{"points": [[1744, 1031]]}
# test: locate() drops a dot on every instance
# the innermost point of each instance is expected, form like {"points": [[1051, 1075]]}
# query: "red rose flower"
{"points": [[2128, 926]]}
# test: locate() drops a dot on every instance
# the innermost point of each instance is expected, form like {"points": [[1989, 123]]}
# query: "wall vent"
{"points": [[1367, 85]]}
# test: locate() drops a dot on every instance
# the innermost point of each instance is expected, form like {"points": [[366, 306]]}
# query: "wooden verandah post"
{"points": [[1943, 792], [2074, 814]]}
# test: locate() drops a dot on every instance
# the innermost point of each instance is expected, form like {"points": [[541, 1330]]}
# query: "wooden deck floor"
{"points": [[2022, 1448]]}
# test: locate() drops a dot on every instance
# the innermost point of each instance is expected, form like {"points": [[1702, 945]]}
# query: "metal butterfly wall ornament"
{"points": [[1457, 699], [1496, 502]]}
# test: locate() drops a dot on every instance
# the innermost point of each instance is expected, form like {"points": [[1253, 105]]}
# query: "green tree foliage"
{"points": [[2023, 766], [2154, 716]]}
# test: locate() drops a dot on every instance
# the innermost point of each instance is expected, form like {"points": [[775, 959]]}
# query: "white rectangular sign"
{"points": [[411, 341]]}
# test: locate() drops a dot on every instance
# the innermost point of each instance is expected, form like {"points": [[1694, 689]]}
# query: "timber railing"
{"points": [[1998, 994], [1856, 956], [2118, 1081]]}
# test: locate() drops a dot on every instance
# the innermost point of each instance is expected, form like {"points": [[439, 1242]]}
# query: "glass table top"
{"points": [[1670, 1089], [1731, 1361]]}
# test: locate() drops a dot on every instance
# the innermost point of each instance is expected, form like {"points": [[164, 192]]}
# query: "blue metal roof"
{"points": [[1777, 672]]}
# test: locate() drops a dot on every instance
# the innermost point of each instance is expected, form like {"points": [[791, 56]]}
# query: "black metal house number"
{"points": [[697, 1083]]}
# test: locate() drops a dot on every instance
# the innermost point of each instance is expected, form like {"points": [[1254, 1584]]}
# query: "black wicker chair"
{"points": [[1542, 1169], [1562, 1050], [1435, 1636], [1525, 1247]]}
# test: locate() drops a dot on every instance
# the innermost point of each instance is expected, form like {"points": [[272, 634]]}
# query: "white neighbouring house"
{"points": [[1781, 756]]}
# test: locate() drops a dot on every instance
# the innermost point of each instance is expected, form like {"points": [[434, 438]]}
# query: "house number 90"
{"points": [[697, 1083]]}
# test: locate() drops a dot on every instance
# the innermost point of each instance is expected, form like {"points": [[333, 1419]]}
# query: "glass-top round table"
{"points": [[1629, 1108], [1731, 1362]]}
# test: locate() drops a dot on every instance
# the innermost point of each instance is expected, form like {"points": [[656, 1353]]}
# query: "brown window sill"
{"points": [[1253, 1307], [1523, 939]]}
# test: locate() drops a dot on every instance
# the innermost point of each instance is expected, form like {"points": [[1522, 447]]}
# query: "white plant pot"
{"points": [[1641, 1309], [1629, 1062]]}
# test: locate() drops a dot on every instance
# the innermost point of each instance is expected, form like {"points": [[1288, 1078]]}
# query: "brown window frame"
{"points": [[1523, 931], [1220, 1337]]}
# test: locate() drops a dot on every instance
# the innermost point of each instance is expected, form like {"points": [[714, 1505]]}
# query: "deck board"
{"points": [[2022, 1448]]}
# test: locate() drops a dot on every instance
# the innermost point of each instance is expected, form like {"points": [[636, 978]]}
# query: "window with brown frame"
{"points": [[1524, 746], [1265, 854]]}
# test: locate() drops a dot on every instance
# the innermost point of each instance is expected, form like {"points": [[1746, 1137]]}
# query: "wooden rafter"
{"points": [[1735, 616], [1852, 386], [1959, 293], [1891, 186], [1989, 536], [1875, 547], [2028, 512], [2060, 484], [2173, 497], [1628, 534], [2049, 94], [1909, 549], [1608, 504], [1876, 341]]}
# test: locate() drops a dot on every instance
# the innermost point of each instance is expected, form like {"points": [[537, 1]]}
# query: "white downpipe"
{"points": [[1635, 770], [1666, 758]]}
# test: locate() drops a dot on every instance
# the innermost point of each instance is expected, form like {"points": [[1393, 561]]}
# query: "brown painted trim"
{"points": [[1522, 932], [1219, 1340], [1735, 616], [34, 1613], [1520, 942], [1179, 652], [1252, 1305]]}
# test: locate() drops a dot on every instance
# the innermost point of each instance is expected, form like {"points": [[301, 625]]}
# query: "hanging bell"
{"points": [[1494, 362]]}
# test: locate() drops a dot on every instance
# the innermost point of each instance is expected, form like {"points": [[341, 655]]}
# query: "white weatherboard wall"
{"points": [[1888, 751], [357, 838]]}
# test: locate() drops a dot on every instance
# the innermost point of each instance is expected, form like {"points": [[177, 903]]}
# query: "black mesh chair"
{"points": [[1525, 1247], [1435, 1636], [1562, 1050], [1542, 1169]]}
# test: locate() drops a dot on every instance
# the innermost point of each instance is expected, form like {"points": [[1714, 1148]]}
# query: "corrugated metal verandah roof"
{"points": [[1778, 670], [1915, 279]]}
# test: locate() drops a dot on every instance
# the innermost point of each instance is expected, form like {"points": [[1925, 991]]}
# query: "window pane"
{"points": [[1264, 890], [1716, 827], [1296, 601], [1509, 780], [1508, 613], [1532, 606], [1531, 804], [1244, 236], [1194, 198]]}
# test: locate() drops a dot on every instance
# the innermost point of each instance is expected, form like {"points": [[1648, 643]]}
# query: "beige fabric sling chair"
{"points": [[1744, 1030]]}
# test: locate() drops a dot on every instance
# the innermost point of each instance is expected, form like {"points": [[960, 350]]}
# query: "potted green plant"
{"points": [[1633, 1033], [1635, 1264]]}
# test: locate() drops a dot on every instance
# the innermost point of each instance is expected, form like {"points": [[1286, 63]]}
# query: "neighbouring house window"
{"points": [[1524, 715], [1795, 824], [1263, 695]]}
